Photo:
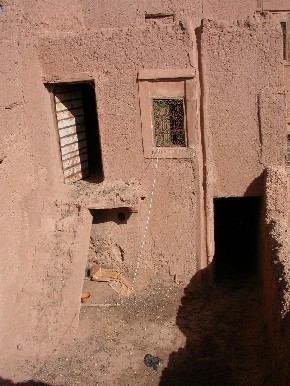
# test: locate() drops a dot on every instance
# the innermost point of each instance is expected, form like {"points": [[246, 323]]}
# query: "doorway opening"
{"points": [[106, 255], [78, 129], [236, 229]]}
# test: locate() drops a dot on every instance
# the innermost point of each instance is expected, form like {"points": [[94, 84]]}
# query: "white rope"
{"points": [[147, 223]]}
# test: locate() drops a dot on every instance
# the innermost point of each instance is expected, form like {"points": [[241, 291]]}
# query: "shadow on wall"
{"points": [[282, 365], [255, 187], [225, 336], [276, 275], [7, 382]]}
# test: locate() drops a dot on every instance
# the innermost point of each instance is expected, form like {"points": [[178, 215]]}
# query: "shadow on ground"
{"points": [[7, 382], [225, 336]]}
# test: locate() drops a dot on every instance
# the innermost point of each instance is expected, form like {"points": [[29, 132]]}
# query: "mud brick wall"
{"points": [[237, 67], [45, 235], [275, 269], [242, 107]]}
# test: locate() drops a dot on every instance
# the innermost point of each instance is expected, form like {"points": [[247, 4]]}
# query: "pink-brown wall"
{"points": [[275, 269], [243, 101], [113, 57], [100, 14], [45, 226]]}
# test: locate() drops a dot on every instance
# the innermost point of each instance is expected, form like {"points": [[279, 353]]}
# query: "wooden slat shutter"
{"points": [[71, 129]]}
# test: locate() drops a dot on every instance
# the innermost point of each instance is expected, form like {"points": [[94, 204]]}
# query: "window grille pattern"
{"points": [[169, 123]]}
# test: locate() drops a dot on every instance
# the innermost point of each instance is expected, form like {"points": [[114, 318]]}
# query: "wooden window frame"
{"points": [[284, 17], [178, 83], [274, 5], [74, 79]]}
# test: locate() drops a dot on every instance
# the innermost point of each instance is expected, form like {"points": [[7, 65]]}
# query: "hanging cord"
{"points": [[147, 222]]}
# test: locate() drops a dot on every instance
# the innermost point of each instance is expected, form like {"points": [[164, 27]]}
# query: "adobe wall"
{"points": [[45, 240], [40, 269], [100, 14], [72, 15], [113, 58], [243, 99], [275, 269]]}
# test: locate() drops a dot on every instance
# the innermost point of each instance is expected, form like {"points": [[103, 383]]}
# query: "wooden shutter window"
{"points": [[72, 133]]}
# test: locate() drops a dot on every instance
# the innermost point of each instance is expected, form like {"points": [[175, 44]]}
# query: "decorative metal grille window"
{"points": [[169, 122]]}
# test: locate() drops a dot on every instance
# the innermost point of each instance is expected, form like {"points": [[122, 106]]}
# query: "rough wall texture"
{"points": [[275, 269], [24, 183], [45, 239], [132, 12], [38, 266], [242, 104], [48, 15], [114, 58]]}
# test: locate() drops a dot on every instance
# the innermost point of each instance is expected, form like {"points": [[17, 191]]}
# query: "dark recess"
{"points": [[236, 227], [117, 215], [92, 132]]}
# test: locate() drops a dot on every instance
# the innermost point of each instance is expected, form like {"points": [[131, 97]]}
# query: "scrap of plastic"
{"points": [[151, 361]]}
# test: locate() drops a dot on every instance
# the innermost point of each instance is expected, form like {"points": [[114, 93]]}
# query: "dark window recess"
{"points": [[117, 215], [164, 17], [236, 233], [169, 122], [288, 150], [77, 123], [284, 34]]}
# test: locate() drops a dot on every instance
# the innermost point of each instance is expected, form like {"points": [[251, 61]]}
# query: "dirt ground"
{"points": [[206, 336]]}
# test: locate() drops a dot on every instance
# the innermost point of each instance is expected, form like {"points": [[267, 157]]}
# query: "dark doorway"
{"points": [[236, 227], [78, 129]]}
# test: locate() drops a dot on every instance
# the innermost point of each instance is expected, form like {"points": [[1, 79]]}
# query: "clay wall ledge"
{"points": [[107, 195], [78, 77], [151, 74]]}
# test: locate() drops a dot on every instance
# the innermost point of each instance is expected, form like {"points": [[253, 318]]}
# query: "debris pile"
{"points": [[115, 279]]}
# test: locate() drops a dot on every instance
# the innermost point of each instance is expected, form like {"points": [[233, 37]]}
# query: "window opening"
{"points": [[284, 34], [236, 233], [106, 253], [288, 150], [77, 124], [169, 122], [163, 17]]}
